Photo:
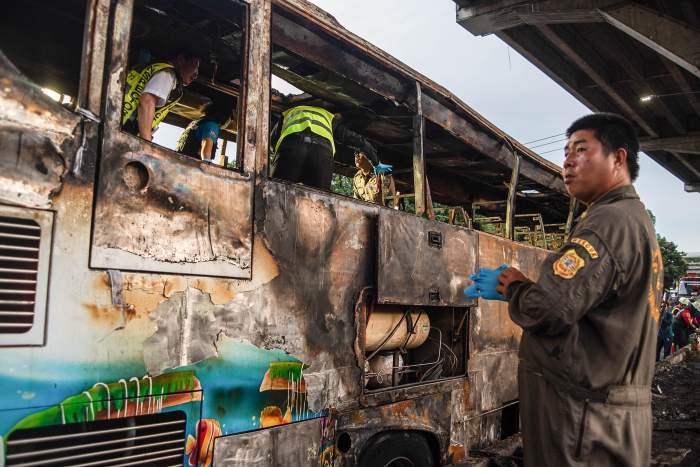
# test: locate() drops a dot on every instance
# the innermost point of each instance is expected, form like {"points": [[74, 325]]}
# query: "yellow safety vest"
{"points": [[136, 81], [298, 119]]}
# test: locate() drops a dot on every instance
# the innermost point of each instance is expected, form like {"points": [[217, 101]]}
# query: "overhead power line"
{"points": [[551, 150], [542, 139], [547, 144]]}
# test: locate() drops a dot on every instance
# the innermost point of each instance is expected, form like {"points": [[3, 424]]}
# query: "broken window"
{"points": [[186, 65], [497, 189], [44, 40], [183, 215], [310, 67]]}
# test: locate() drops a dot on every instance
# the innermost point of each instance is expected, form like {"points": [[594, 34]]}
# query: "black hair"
{"points": [[219, 111], [614, 132], [190, 51]]}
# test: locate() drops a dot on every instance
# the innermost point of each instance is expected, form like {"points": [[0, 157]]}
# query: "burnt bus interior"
{"points": [[314, 67], [44, 41], [217, 30], [402, 340], [463, 185], [407, 343]]}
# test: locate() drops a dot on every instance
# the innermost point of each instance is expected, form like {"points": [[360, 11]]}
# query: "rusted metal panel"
{"points": [[419, 179], [495, 378], [289, 445], [491, 327], [94, 51], [257, 90], [323, 245], [494, 341], [37, 141], [429, 414], [175, 214], [379, 398], [417, 264]]}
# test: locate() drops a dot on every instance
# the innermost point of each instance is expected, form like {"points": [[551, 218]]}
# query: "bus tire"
{"points": [[397, 449]]}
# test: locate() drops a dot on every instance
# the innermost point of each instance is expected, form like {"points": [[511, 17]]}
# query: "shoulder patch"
{"points": [[586, 246], [568, 264]]}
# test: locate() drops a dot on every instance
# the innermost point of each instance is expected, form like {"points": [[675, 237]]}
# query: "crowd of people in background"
{"points": [[679, 320]]}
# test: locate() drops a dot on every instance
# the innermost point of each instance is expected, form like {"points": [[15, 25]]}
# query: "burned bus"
{"points": [[159, 310]]}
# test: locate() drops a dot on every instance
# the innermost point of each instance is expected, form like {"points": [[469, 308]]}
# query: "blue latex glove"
{"points": [[485, 283], [381, 169]]}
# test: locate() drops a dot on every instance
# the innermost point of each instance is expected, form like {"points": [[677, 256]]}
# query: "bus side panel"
{"points": [[494, 338], [295, 445], [262, 352], [38, 138]]}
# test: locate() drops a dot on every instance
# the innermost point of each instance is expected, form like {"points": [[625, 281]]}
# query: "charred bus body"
{"points": [[158, 310]]}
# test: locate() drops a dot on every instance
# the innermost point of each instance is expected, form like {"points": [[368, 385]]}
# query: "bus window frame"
{"points": [[291, 16], [166, 170], [119, 53]]}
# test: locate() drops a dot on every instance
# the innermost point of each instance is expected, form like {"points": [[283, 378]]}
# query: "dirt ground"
{"points": [[676, 411]]}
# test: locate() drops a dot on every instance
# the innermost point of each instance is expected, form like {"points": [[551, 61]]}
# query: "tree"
{"points": [[341, 184], [675, 265]]}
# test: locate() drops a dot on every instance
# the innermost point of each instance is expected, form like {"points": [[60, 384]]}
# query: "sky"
{"points": [[505, 88]]}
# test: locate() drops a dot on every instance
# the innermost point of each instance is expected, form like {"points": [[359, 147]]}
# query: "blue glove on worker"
{"points": [[381, 169], [485, 283]]}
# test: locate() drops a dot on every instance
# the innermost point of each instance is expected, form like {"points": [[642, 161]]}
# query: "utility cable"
{"points": [[551, 150], [542, 139], [547, 144]]}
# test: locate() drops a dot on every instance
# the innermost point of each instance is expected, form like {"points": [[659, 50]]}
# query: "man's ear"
{"points": [[620, 156]]}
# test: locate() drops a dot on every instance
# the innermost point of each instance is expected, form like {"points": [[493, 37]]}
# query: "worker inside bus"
{"points": [[305, 141], [186, 63], [372, 181], [199, 139], [154, 88]]}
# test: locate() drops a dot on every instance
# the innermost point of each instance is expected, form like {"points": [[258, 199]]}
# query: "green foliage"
{"points": [[341, 185], [675, 265], [652, 216]]}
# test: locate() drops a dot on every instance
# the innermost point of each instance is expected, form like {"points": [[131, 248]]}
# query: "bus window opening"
{"points": [[184, 93]]}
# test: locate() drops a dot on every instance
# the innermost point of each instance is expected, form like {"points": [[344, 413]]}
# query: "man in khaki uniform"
{"points": [[589, 322], [365, 184], [371, 182]]}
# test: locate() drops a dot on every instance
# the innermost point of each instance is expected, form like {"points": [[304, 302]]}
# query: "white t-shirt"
{"points": [[160, 85]]}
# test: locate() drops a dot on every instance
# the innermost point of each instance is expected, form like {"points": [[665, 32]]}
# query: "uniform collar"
{"points": [[623, 192]]}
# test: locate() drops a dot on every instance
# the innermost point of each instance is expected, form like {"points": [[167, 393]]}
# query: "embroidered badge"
{"points": [[568, 264], [587, 246]]}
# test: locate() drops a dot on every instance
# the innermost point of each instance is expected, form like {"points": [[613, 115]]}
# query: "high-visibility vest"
{"points": [[316, 119], [136, 81]]}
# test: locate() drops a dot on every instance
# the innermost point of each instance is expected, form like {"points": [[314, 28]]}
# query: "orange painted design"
{"points": [[202, 449], [271, 416]]}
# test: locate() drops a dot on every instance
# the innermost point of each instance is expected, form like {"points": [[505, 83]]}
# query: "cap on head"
{"points": [[684, 300]]}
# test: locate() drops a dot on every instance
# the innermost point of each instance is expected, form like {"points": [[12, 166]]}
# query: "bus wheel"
{"points": [[397, 449]]}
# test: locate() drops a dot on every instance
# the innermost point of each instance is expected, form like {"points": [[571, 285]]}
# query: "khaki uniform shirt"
{"points": [[365, 187], [591, 318], [589, 339]]}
